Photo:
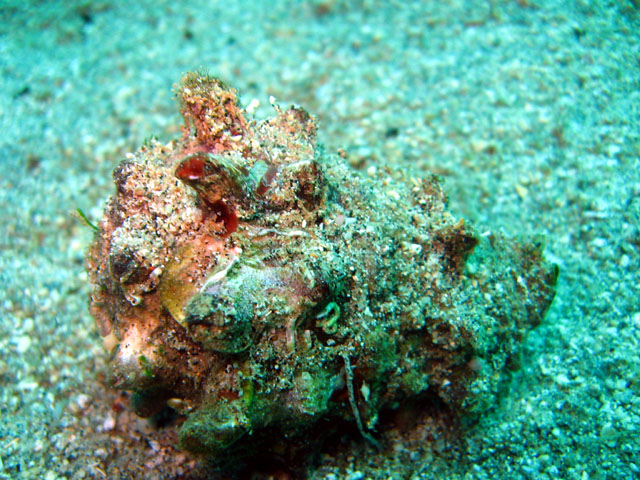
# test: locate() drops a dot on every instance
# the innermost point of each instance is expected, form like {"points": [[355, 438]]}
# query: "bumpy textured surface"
{"points": [[261, 288]]}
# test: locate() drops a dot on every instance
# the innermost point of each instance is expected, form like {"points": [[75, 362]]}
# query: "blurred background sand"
{"points": [[528, 109]]}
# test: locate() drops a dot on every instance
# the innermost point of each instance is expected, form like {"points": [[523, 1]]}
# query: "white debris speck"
{"points": [[613, 150], [109, 424], [253, 106], [365, 391], [22, 344], [27, 385], [83, 401], [415, 248], [155, 446], [101, 453]]}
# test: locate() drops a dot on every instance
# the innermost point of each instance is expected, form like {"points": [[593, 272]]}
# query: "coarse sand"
{"points": [[529, 110]]}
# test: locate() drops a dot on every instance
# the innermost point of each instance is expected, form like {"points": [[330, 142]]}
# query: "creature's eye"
{"points": [[192, 167]]}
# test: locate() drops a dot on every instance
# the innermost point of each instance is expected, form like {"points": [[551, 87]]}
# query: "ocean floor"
{"points": [[529, 110]]}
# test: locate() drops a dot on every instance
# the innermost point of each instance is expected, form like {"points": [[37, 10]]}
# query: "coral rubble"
{"points": [[263, 289]]}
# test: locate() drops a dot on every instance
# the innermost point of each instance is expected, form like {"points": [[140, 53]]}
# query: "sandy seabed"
{"points": [[529, 111]]}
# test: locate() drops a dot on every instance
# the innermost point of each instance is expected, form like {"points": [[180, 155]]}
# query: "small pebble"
{"points": [[109, 424]]}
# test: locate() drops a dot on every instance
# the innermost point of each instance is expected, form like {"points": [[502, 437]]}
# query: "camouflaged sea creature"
{"points": [[269, 293]]}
